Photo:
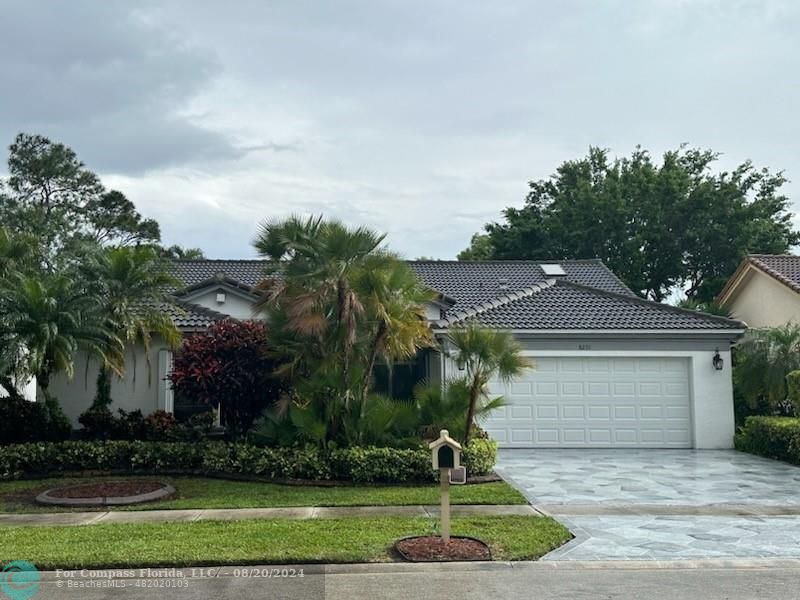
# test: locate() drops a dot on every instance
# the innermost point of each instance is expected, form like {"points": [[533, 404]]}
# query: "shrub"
{"points": [[227, 365], [357, 464], [160, 425], [773, 437], [23, 421]]}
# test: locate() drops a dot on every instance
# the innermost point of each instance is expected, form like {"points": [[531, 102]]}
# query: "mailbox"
{"points": [[445, 452]]}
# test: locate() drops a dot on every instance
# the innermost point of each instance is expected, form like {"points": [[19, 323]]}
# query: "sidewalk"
{"points": [[232, 514]]}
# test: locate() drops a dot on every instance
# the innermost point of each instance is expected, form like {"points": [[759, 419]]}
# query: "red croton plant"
{"points": [[228, 364]]}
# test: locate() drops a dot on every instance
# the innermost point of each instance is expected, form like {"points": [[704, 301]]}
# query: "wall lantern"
{"points": [[717, 360]]}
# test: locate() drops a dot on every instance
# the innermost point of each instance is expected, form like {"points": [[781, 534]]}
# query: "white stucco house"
{"points": [[611, 370], [764, 291]]}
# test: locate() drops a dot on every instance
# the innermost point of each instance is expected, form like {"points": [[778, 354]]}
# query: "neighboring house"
{"points": [[611, 369], [764, 291]]}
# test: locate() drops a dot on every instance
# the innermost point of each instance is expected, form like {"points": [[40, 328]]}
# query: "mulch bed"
{"points": [[106, 489], [431, 548]]}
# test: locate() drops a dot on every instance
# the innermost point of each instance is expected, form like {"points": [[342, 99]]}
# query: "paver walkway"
{"points": [[662, 504], [231, 514]]}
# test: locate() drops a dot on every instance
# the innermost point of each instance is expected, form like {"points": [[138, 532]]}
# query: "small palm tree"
{"points": [[52, 318], [133, 284], [484, 354], [763, 360], [394, 301]]}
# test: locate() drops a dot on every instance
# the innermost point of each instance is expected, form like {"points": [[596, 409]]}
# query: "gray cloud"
{"points": [[421, 119]]}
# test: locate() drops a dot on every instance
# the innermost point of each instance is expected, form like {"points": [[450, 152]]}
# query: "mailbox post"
{"points": [[445, 455]]}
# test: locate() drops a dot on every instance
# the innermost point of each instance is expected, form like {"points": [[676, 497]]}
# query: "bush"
{"points": [[357, 464], [23, 421], [773, 437], [160, 426]]}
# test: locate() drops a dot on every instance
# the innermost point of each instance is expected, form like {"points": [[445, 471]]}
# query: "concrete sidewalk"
{"points": [[232, 514]]}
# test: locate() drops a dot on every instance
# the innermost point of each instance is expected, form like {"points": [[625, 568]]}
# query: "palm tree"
{"points": [[133, 283], [52, 318], [484, 354], [317, 262], [394, 301], [763, 360]]}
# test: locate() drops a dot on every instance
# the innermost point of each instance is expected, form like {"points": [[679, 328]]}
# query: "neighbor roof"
{"points": [[783, 267], [563, 305]]}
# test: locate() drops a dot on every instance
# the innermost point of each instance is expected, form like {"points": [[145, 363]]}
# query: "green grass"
{"points": [[198, 492], [262, 541]]}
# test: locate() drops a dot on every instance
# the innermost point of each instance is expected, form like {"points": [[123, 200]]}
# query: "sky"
{"points": [[422, 119]]}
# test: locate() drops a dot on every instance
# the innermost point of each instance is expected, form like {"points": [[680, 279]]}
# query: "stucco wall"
{"points": [[762, 301], [141, 388], [236, 305]]}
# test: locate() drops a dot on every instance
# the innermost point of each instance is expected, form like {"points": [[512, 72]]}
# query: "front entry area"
{"points": [[597, 402]]}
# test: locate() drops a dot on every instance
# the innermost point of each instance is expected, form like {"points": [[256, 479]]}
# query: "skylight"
{"points": [[553, 270]]}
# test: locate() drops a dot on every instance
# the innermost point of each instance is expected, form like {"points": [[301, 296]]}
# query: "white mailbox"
{"points": [[445, 452]]}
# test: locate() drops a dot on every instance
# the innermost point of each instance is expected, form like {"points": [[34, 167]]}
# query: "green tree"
{"points": [[763, 361], [51, 195], [132, 283], [484, 354], [50, 319], [480, 248], [176, 252], [657, 226]]}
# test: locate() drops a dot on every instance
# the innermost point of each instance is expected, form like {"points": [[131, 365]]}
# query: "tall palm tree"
{"points": [[133, 283], [394, 301], [484, 354], [317, 261], [52, 318], [763, 360]]}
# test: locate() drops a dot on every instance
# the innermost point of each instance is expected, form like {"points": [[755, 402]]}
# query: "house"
{"points": [[764, 291], [611, 370]]}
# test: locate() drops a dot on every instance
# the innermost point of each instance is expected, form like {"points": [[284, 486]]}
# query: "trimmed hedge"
{"points": [[357, 464], [773, 437]]}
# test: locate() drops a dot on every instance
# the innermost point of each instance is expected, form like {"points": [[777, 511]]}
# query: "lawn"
{"points": [[199, 492], [263, 541]]}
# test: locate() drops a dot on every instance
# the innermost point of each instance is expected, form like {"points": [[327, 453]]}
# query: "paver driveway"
{"points": [[662, 504]]}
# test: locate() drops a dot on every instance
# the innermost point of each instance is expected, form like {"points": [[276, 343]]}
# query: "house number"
{"points": [[584, 347]]}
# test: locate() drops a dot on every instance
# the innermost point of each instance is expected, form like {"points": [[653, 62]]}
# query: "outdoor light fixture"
{"points": [[717, 360]]}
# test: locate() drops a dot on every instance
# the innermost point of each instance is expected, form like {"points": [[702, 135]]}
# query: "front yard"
{"points": [[263, 541], [201, 492]]}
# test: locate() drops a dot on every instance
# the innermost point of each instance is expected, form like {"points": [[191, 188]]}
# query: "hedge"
{"points": [[773, 437], [355, 464]]}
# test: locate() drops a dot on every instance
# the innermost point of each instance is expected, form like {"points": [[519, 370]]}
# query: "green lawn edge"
{"points": [[274, 541], [209, 493]]}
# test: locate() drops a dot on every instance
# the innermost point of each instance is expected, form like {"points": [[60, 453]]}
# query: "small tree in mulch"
{"points": [[228, 365]]}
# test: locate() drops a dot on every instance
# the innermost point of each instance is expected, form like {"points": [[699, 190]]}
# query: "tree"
{"points": [[51, 195], [50, 319], [228, 365], [480, 248], [484, 354], [657, 226], [763, 361], [176, 252], [132, 283], [341, 303]]}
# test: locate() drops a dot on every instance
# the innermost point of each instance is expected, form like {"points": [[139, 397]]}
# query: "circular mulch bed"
{"points": [[105, 493], [431, 548]]}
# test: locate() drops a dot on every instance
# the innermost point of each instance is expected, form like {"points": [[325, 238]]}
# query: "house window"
{"points": [[399, 380]]}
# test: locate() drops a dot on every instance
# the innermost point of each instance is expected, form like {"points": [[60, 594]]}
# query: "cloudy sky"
{"points": [[421, 118]]}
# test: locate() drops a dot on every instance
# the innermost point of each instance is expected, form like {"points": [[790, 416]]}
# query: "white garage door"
{"points": [[595, 402]]}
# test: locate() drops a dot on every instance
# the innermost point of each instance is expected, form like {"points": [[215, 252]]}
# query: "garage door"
{"points": [[595, 402]]}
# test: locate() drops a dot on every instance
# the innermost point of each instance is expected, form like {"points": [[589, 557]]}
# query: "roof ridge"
{"points": [[509, 260], [477, 309], [760, 255], [654, 304], [772, 272]]}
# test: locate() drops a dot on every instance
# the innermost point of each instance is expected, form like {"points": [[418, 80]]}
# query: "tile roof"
{"points": [[503, 294], [187, 315], [470, 283], [783, 267], [561, 304]]}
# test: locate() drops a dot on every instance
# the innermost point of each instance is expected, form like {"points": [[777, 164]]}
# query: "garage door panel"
{"points": [[596, 402]]}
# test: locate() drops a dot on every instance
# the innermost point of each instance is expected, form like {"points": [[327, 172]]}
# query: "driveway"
{"points": [[662, 504]]}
